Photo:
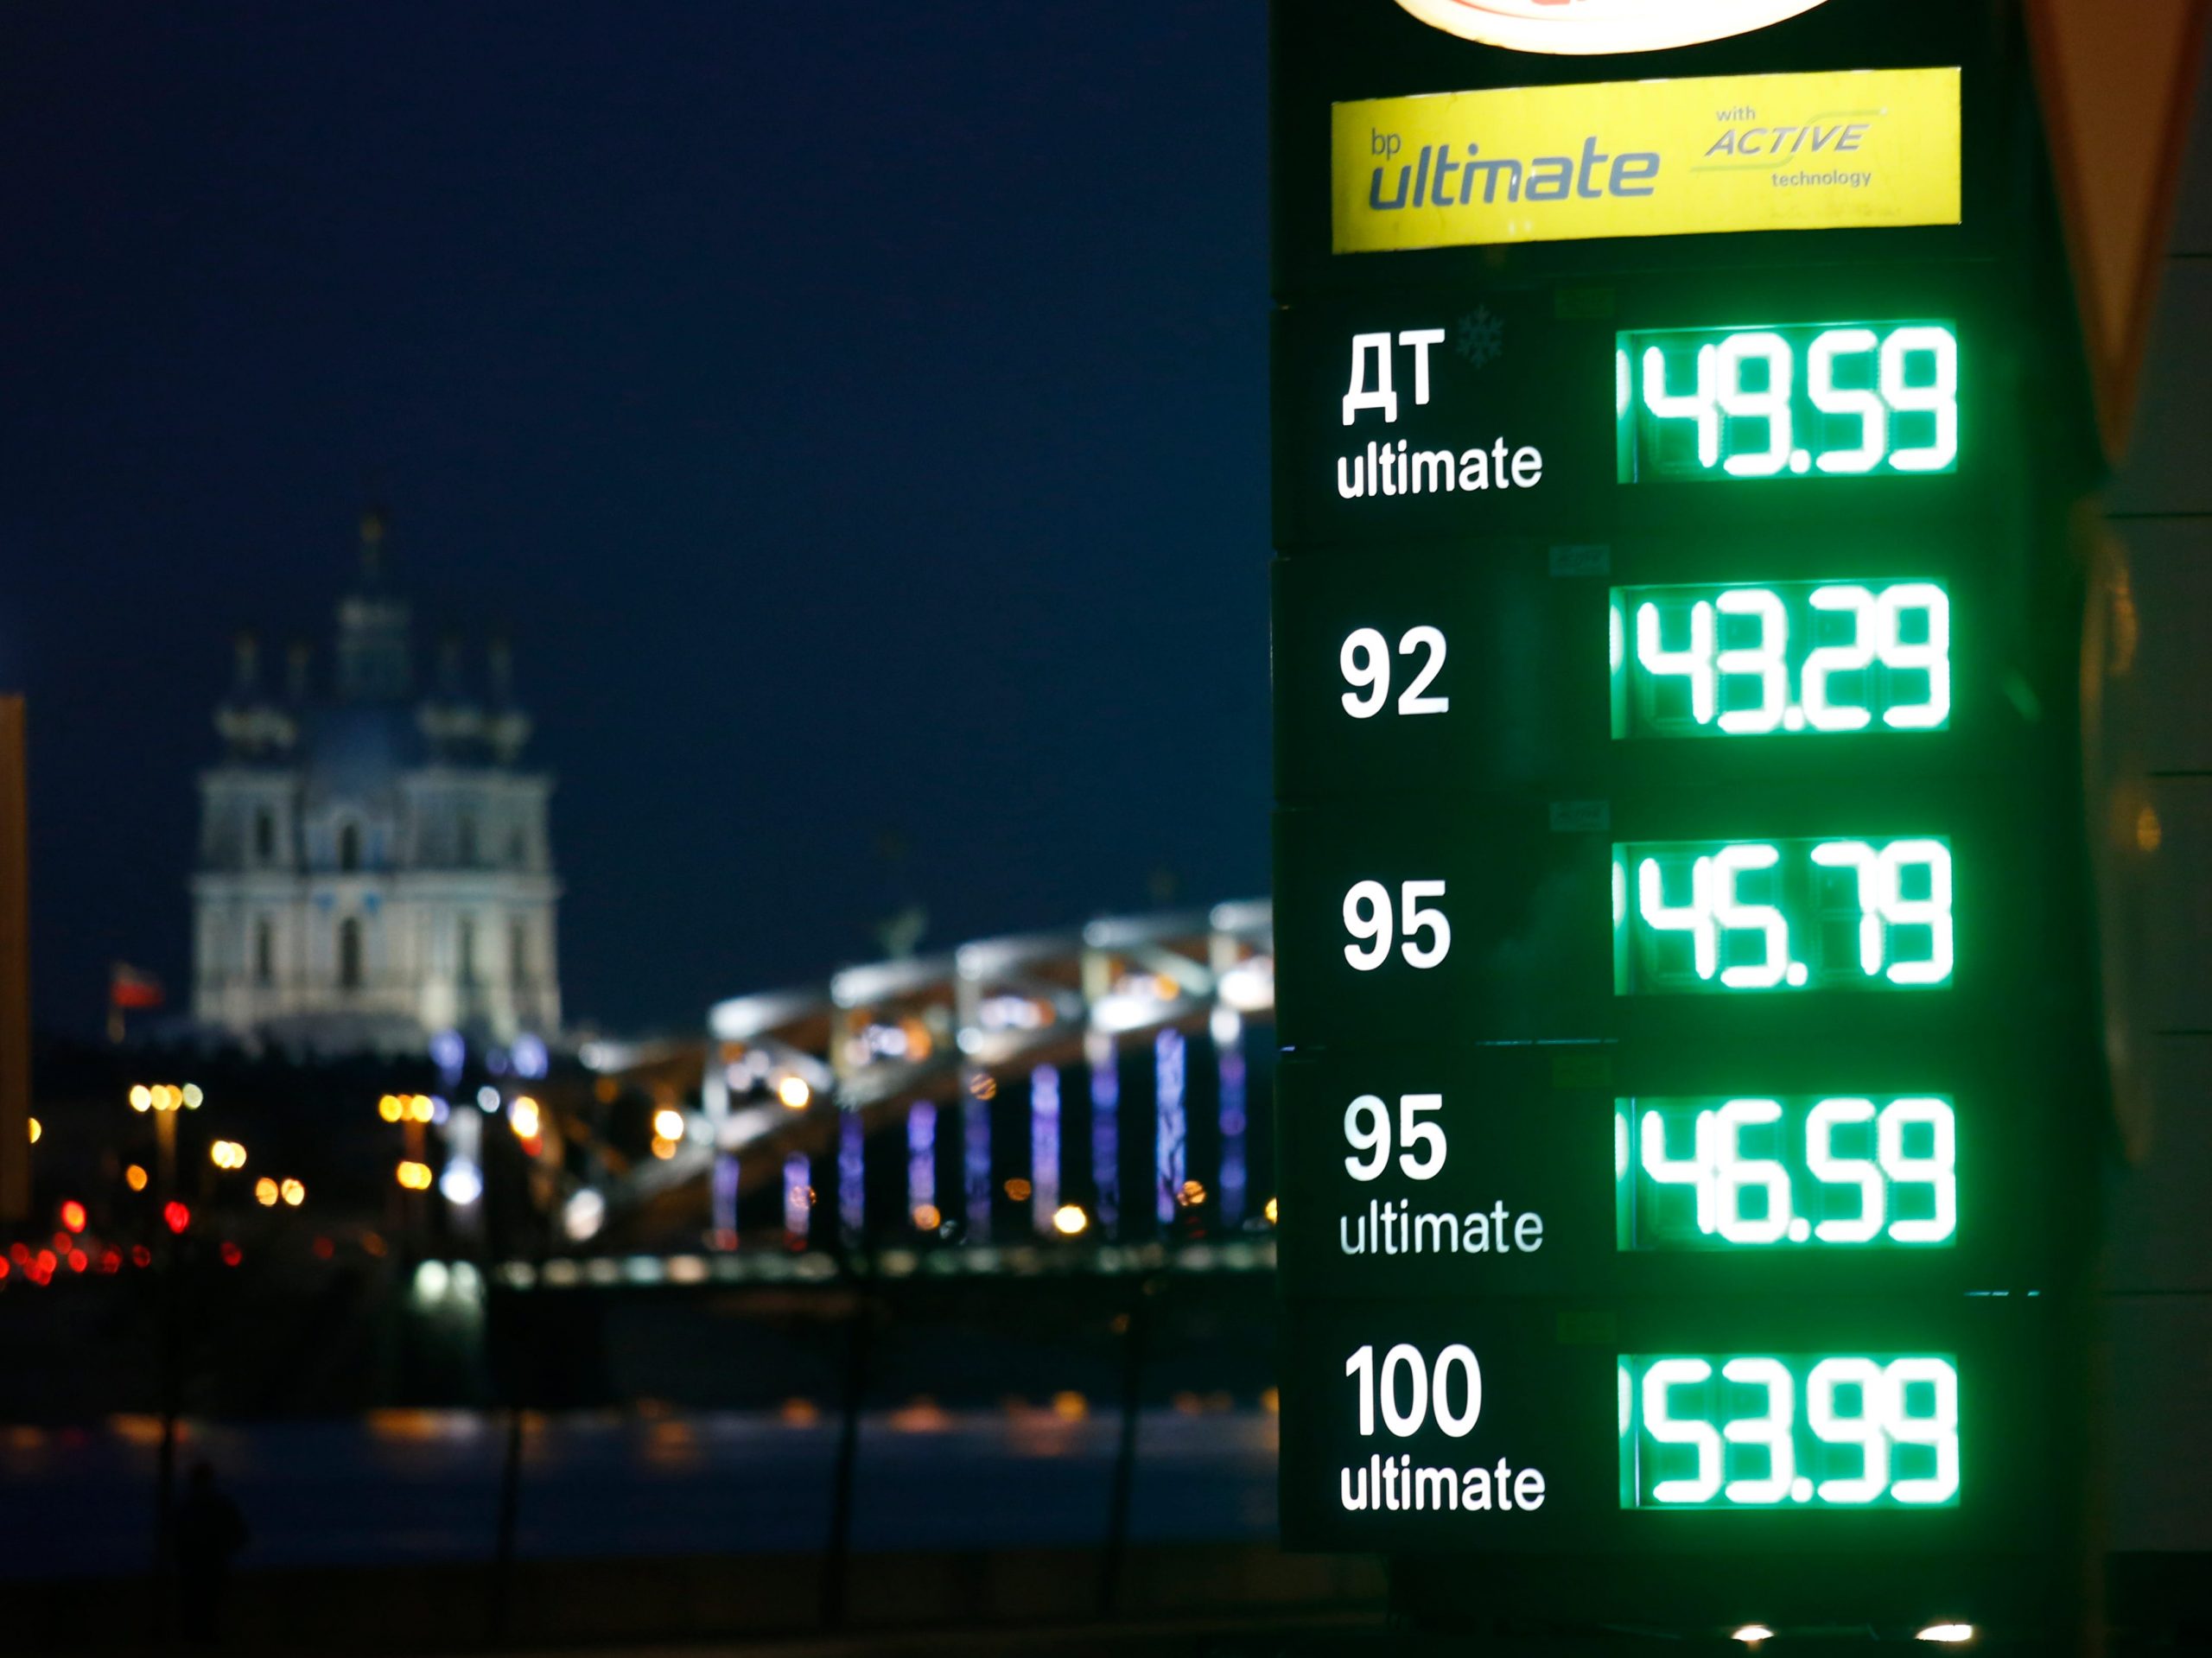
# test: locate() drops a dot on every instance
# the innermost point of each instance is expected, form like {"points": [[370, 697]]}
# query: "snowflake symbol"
{"points": [[1481, 337]]}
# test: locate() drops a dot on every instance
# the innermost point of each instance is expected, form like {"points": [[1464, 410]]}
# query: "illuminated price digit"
{"points": [[1365, 660], [1367, 916], [1767, 660], [1937, 1171], [1734, 1172], [1696, 1170], [1694, 663], [1832, 1170], [1662, 1426], [1866, 1430], [1821, 712], [1872, 413], [1367, 1130], [1770, 1432], [1932, 656], [1702, 405], [1406, 1374], [1771, 404], [1695, 918], [1939, 399], [1938, 1430]]}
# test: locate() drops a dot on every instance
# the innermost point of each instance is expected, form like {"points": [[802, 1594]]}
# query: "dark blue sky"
{"points": [[856, 413]]}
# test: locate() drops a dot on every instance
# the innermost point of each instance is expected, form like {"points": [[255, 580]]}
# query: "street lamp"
{"points": [[165, 1100]]}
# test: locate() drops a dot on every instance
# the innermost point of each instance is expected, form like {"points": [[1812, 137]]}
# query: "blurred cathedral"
{"points": [[373, 863]]}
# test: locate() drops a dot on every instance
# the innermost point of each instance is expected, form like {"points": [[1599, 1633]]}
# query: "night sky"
{"points": [[856, 412]]}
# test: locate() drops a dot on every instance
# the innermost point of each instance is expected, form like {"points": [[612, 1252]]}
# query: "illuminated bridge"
{"points": [[1096, 1095]]}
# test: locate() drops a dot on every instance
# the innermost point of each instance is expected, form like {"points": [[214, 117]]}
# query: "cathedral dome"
{"points": [[381, 863]]}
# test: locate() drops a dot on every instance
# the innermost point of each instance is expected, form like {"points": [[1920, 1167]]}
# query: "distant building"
{"points": [[374, 864]]}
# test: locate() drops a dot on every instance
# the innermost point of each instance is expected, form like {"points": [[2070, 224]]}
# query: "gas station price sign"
{"points": [[1714, 832], [1714, 916], [1764, 1431], [1786, 400], [1844, 1171], [1746, 660]]}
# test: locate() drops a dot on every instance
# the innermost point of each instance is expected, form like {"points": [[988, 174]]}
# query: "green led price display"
{"points": [[1725, 1173], [1768, 915], [1838, 401], [1751, 1432], [1740, 660]]}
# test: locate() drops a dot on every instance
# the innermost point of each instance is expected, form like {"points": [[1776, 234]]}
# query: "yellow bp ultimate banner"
{"points": [[1861, 147]]}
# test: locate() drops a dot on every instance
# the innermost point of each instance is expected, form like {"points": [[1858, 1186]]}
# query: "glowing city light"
{"points": [[584, 1215], [1170, 1127], [264, 1193], [416, 1177], [391, 1108], [530, 1057], [1043, 1145], [852, 1174], [1752, 1634], [226, 1154], [798, 1198], [461, 1184], [722, 1188], [1068, 1220], [135, 1178], [522, 1117], [976, 1154], [921, 1163], [794, 1092], [1228, 1033], [72, 1216], [293, 1193], [668, 1123], [141, 1097], [1105, 1125], [1950, 1634]]}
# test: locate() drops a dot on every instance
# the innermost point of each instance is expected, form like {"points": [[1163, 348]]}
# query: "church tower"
{"points": [[374, 864]]}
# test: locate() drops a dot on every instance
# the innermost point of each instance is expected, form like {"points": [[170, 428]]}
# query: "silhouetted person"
{"points": [[209, 1529]]}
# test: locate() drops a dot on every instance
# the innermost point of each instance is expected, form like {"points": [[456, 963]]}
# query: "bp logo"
{"points": [[1581, 27]]}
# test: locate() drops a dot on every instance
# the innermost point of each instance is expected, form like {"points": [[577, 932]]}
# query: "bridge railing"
{"points": [[1041, 1083]]}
